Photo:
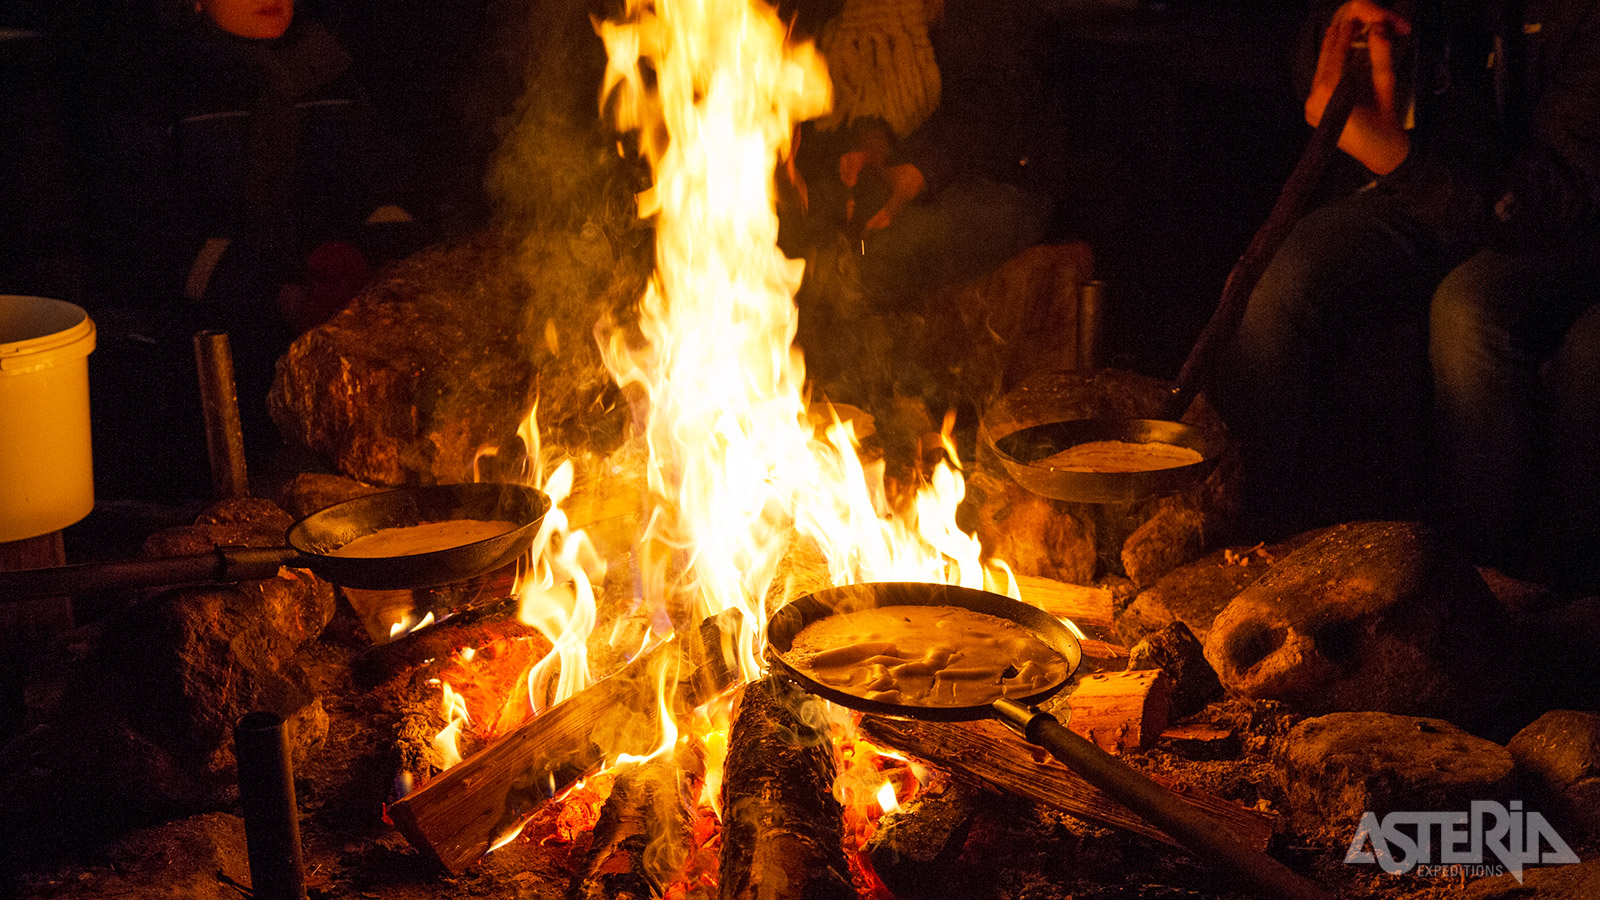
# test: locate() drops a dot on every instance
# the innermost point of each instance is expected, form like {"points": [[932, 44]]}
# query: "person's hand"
{"points": [[1374, 134], [905, 183]]}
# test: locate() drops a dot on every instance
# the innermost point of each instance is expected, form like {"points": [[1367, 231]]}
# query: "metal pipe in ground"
{"points": [[271, 819], [1091, 309], [219, 402]]}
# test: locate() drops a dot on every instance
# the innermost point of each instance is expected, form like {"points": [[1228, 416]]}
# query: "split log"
{"points": [[473, 628], [1088, 607], [483, 800], [1121, 710], [916, 848], [993, 753], [782, 831], [644, 832]]}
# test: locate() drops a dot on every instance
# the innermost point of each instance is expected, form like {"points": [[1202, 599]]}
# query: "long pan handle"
{"points": [[1285, 213], [1157, 805], [225, 564]]}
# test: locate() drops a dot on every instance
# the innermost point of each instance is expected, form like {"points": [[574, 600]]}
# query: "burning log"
{"points": [[484, 800], [473, 628], [993, 753], [916, 847], [1089, 607], [783, 832], [644, 832]]}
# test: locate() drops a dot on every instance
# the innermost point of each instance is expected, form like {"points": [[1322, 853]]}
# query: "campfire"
{"points": [[605, 718]]}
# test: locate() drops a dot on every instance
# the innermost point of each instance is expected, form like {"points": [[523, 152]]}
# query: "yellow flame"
{"points": [[406, 626], [736, 468], [886, 798], [454, 707], [665, 680]]}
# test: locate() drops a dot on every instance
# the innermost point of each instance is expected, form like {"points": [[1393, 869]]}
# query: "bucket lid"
{"points": [[37, 332]]}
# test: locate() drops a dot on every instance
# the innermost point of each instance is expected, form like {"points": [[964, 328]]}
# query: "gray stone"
{"points": [[1175, 651], [1377, 616], [1337, 767], [1559, 759]]}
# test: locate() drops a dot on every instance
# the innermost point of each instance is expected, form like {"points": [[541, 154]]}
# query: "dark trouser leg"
{"points": [[967, 229], [1494, 320], [1350, 264], [1574, 380]]}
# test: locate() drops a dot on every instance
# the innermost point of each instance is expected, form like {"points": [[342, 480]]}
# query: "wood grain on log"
{"points": [[473, 628], [783, 831], [1121, 710], [991, 752], [483, 800], [1088, 607], [643, 835]]}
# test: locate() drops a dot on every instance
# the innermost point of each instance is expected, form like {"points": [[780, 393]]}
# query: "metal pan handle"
{"points": [[1156, 805], [225, 564]]}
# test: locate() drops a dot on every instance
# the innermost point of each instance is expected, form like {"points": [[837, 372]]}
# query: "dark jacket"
{"points": [[1506, 147]]}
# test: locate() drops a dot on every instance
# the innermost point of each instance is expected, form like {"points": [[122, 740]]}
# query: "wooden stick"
{"points": [[782, 829], [989, 751], [484, 800], [1121, 710], [1088, 607]]}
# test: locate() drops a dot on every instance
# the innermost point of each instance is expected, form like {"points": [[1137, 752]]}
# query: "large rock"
{"points": [[294, 601], [1559, 758], [1340, 766], [1194, 593], [1152, 535], [446, 355], [1367, 616]]}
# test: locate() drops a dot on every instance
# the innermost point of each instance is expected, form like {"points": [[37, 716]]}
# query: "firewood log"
{"points": [[916, 847], [993, 753], [472, 806], [782, 829], [644, 832], [473, 628]]}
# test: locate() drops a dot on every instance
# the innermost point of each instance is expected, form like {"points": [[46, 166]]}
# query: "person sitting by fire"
{"points": [[1481, 221], [234, 176], [921, 160]]}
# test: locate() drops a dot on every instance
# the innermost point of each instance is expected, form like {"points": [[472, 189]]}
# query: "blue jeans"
{"points": [[1362, 266]]}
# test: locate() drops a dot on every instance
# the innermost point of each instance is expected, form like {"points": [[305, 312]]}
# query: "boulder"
{"points": [[1175, 651], [308, 492], [445, 356], [1194, 593], [152, 709], [1031, 533], [295, 602], [1558, 757], [1335, 768], [1377, 616]]}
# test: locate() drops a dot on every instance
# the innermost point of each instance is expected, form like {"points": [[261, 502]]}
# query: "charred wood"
{"points": [[916, 847], [991, 752], [644, 833], [473, 628], [783, 830], [483, 800]]}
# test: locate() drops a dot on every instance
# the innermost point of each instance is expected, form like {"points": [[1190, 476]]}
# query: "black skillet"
{"points": [[313, 540], [1020, 451], [1155, 804]]}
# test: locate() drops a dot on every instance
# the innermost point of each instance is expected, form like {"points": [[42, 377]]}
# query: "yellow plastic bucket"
{"points": [[46, 469]]}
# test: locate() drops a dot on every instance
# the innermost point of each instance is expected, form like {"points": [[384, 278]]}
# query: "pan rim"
{"points": [[788, 620]]}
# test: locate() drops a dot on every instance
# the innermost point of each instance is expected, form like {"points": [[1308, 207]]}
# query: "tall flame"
{"points": [[714, 89]]}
